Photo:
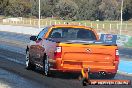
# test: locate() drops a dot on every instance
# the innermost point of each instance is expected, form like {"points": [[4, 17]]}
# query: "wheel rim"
{"points": [[46, 66], [27, 59]]}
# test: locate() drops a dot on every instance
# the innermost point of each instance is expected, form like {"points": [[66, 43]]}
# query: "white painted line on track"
{"points": [[13, 60], [4, 85], [20, 29], [12, 49]]}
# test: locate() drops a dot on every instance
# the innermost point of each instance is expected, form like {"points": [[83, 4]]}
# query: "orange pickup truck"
{"points": [[69, 48]]}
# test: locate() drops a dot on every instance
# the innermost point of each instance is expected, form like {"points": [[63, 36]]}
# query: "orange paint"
{"points": [[72, 57]]}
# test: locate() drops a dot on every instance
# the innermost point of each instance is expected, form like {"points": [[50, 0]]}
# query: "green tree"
{"points": [[34, 8], [3, 4], [14, 9], [17, 9], [66, 9], [127, 11], [109, 9], [89, 10], [48, 7]]}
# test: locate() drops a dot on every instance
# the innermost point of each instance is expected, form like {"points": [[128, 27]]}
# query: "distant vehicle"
{"points": [[69, 48]]}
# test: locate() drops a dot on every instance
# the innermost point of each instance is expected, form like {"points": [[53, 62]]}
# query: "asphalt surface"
{"points": [[8, 79], [12, 63]]}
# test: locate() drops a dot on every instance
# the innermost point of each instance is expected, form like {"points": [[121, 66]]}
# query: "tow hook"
{"points": [[85, 77]]}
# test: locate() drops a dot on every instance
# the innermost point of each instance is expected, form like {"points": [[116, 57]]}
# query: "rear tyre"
{"points": [[46, 66], [29, 65]]}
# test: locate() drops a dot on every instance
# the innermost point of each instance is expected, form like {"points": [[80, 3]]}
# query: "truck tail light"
{"points": [[116, 55], [58, 52]]}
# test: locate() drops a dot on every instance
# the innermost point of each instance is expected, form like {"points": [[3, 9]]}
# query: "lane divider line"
{"points": [[13, 60]]}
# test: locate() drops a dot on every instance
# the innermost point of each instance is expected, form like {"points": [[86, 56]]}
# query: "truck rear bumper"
{"points": [[77, 66], [95, 69]]}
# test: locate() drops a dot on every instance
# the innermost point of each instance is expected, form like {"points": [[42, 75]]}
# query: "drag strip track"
{"points": [[12, 58], [9, 79], [57, 80], [35, 76]]}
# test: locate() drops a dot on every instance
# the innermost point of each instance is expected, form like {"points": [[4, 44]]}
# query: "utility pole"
{"points": [[121, 16], [39, 15]]}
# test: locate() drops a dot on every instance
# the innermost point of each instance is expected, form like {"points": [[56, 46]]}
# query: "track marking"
{"points": [[3, 85], [13, 60]]}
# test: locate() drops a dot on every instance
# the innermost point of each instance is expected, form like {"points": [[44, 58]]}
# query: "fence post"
{"points": [[91, 25], [30, 21], [46, 24], [103, 26], [110, 27], [97, 26], [55, 22], [50, 22], [85, 24]]}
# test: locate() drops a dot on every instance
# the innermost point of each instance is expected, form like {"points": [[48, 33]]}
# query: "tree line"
{"points": [[68, 9]]}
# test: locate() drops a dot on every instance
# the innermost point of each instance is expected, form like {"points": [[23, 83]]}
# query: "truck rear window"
{"points": [[72, 33]]}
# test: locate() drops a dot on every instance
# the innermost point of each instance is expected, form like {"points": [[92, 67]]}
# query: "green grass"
{"points": [[129, 43]]}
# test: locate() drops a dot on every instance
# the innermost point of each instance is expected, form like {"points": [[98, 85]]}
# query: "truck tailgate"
{"points": [[78, 55]]}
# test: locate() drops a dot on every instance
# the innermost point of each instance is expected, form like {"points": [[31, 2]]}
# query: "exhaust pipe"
{"points": [[102, 73]]}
